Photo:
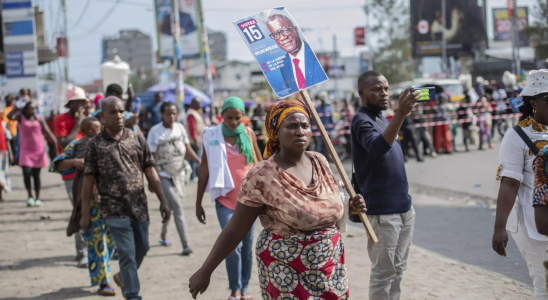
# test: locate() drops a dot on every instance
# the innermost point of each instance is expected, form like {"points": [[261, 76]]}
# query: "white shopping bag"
{"points": [[345, 198]]}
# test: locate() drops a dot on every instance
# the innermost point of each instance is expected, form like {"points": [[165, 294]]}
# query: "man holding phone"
{"points": [[383, 183]]}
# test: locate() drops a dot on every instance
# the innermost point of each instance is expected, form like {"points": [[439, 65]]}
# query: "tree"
{"points": [[538, 31], [392, 56]]}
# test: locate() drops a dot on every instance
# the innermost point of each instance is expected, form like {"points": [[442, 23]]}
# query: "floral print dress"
{"points": [[300, 253]]}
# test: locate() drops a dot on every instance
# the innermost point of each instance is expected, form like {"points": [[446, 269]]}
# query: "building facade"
{"points": [[133, 47]]}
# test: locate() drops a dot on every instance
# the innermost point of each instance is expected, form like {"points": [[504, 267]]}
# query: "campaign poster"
{"points": [[464, 28], [502, 25], [190, 26], [282, 51]]}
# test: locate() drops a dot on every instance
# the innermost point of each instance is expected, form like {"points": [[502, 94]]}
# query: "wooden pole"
{"points": [[337, 161]]}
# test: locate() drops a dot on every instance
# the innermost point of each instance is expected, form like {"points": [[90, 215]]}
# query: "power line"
{"points": [[105, 17], [81, 15], [126, 2]]}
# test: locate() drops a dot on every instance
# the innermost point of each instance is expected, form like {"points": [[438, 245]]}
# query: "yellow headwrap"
{"points": [[275, 116]]}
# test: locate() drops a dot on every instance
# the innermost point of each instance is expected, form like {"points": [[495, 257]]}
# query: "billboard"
{"points": [[282, 51], [502, 25], [21, 57], [190, 24], [464, 27]]}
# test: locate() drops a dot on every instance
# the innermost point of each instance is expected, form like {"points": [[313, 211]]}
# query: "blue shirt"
{"points": [[379, 166], [155, 114]]}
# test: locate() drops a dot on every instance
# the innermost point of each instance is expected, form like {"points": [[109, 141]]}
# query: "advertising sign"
{"points": [[62, 47], [20, 52], [464, 27], [190, 24], [359, 36], [282, 51], [502, 25]]}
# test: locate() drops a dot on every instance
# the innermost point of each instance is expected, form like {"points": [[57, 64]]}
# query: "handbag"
{"points": [[342, 222], [354, 182]]}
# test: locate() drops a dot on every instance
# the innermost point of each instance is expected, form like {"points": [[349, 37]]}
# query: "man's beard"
{"points": [[374, 107]]}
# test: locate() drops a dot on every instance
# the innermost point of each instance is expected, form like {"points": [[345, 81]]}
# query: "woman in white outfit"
{"points": [[170, 144], [515, 211]]}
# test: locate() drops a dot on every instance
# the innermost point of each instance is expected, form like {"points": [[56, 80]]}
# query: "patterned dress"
{"points": [[99, 241], [300, 253], [540, 195]]}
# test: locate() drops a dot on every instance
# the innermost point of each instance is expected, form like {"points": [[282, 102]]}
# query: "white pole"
{"points": [[176, 32]]}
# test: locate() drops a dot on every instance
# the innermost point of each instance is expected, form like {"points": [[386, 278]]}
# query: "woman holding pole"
{"points": [[300, 252]]}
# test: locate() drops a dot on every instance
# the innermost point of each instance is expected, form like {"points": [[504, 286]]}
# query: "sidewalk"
{"points": [[36, 258]]}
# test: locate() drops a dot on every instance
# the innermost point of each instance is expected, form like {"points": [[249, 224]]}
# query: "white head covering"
{"points": [[537, 83]]}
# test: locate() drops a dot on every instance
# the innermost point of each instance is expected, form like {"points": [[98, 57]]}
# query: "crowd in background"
{"points": [[170, 138]]}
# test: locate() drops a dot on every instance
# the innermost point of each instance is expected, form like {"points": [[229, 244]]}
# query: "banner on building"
{"points": [[21, 57], [282, 51], [502, 25], [464, 28], [190, 25]]}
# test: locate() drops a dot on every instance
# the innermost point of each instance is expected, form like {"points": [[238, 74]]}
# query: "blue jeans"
{"points": [[131, 240], [240, 261]]}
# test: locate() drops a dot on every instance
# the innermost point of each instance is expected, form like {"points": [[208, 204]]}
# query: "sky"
{"points": [[91, 20]]}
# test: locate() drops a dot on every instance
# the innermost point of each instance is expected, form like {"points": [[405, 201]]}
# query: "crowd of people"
{"points": [[261, 167]]}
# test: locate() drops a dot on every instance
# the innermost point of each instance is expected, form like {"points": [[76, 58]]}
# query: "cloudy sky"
{"points": [[90, 21]]}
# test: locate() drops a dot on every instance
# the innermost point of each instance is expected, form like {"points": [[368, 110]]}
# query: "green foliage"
{"points": [[392, 53], [538, 31]]}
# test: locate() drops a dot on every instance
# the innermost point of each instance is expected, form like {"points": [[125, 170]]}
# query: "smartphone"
{"points": [[427, 93]]}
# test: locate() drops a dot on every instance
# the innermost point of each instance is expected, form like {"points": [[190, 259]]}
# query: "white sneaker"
{"points": [[30, 202], [37, 203]]}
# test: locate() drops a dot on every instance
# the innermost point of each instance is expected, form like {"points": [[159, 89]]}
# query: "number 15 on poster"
{"points": [[251, 31]]}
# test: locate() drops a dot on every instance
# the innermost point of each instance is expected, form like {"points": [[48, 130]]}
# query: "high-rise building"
{"points": [[217, 45], [132, 46]]}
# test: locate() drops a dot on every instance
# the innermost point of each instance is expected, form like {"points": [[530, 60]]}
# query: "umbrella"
{"points": [[190, 93]]}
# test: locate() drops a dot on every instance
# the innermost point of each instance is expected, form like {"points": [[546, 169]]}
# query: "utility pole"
{"points": [[368, 36], [515, 26], [176, 30], [443, 40], [65, 34], [335, 64], [207, 59]]}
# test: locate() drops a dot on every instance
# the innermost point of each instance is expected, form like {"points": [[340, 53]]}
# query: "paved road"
{"points": [[36, 260], [449, 222]]}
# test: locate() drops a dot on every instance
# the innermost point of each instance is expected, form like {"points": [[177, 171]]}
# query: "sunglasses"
{"points": [[285, 32]]}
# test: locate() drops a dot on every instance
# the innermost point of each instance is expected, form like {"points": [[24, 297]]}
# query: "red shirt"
{"points": [[62, 126]]}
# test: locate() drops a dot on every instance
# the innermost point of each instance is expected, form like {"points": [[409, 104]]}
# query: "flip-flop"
{"points": [[165, 243], [234, 298], [106, 291], [246, 297], [117, 280]]}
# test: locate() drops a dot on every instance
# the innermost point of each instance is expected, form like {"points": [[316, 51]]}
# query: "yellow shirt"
{"points": [[12, 125]]}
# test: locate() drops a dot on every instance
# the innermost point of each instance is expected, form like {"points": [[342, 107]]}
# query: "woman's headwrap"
{"points": [[275, 116]]}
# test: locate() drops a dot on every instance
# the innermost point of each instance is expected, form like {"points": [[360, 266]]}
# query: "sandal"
{"points": [[234, 298], [246, 297], [165, 243], [106, 291], [118, 280]]}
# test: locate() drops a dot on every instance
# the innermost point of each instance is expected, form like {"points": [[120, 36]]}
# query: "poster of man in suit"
{"points": [[189, 24], [282, 51]]}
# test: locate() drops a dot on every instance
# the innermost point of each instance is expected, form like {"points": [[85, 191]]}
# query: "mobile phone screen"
{"points": [[427, 94]]}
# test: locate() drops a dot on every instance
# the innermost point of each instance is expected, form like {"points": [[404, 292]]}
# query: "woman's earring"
{"points": [[534, 111]]}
